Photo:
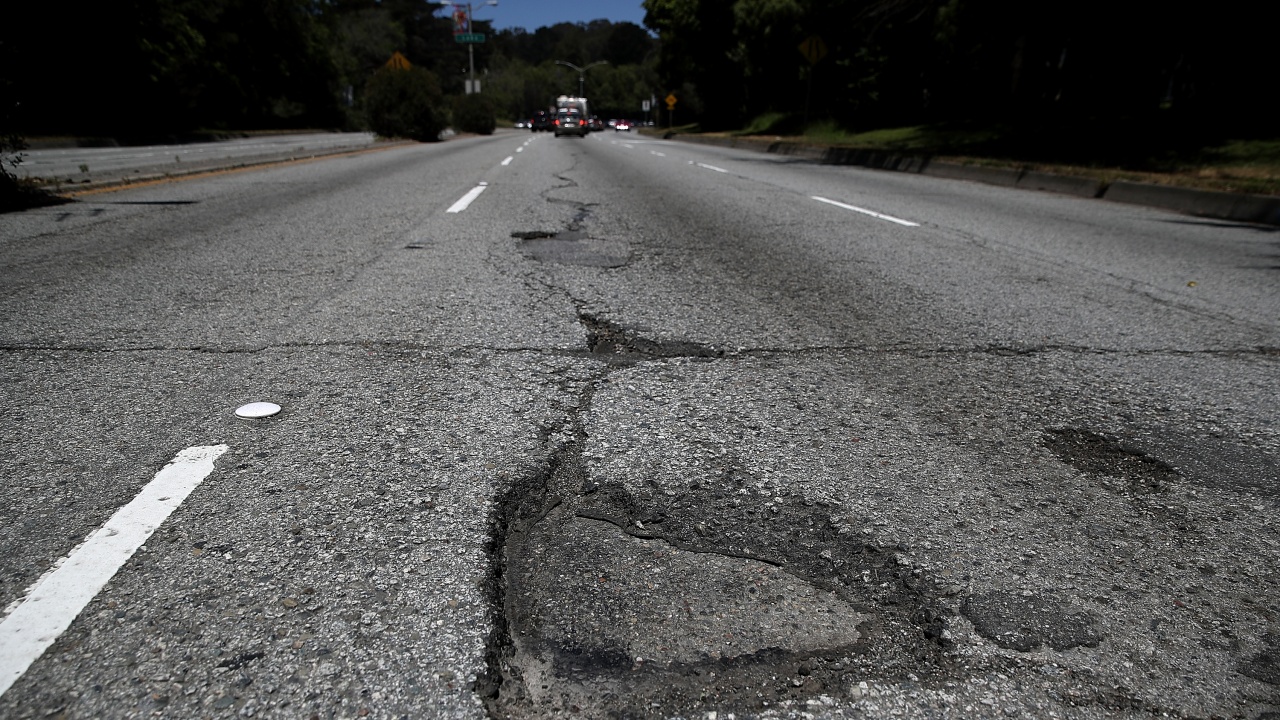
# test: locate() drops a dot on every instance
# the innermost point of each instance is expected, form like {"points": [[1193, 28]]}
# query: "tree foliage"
{"points": [[406, 104], [150, 69], [910, 61], [473, 114]]}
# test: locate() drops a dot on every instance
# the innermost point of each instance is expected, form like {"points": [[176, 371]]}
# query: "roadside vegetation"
{"points": [[1151, 93], [16, 193], [1241, 165], [169, 70], [1147, 92]]}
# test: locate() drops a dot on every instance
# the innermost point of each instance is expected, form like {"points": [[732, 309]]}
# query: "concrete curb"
{"points": [[1203, 203], [213, 166], [1262, 209]]}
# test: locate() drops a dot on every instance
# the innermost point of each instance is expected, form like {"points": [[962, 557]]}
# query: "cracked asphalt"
{"points": [[631, 438]]}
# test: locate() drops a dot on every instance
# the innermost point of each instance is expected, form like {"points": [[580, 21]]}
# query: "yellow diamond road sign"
{"points": [[671, 101], [813, 49], [398, 62]]}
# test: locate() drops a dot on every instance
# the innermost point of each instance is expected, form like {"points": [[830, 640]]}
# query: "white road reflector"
{"points": [[36, 621], [467, 199], [257, 410], [865, 211]]}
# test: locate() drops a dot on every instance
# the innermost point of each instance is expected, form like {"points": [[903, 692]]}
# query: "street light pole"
{"points": [[582, 71]]}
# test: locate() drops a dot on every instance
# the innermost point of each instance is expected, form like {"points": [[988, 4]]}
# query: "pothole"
{"points": [[573, 247], [617, 344], [1097, 454], [1265, 665], [615, 605], [1026, 622]]}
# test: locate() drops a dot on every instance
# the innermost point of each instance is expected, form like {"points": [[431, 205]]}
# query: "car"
{"points": [[570, 122], [594, 123], [622, 125], [541, 120], [522, 124]]}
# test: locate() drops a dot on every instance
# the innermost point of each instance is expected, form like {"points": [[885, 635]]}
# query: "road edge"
{"points": [[1237, 207]]}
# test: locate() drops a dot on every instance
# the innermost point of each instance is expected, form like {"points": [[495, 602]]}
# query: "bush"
{"points": [[474, 114], [17, 193], [405, 103]]}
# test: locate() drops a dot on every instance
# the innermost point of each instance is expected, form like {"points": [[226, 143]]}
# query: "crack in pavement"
{"points": [[792, 605], [618, 344]]}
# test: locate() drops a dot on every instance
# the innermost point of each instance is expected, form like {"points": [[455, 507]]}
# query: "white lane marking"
{"points": [[37, 620], [507, 161], [865, 211], [655, 152], [629, 147], [709, 167], [465, 200], [520, 149]]}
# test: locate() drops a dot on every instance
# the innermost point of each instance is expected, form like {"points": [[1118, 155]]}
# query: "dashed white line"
{"points": [[466, 200], [655, 152], [507, 161], [36, 621], [520, 149], [865, 211], [709, 167]]}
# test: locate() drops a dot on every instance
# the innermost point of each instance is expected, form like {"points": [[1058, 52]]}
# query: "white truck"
{"points": [[564, 102]]}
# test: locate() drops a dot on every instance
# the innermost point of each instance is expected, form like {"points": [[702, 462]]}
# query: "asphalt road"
{"points": [[616, 427]]}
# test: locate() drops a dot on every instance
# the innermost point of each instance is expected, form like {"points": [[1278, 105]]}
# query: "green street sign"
{"points": [[469, 37]]}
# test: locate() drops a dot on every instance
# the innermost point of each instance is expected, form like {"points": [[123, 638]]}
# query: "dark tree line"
{"points": [[143, 69], [895, 62]]}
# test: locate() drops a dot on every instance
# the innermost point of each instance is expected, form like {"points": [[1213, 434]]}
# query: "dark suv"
{"points": [[541, 120], [570, 122]]}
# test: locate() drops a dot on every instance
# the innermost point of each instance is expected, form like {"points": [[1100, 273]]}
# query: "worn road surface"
{"points": [[618, 427]]}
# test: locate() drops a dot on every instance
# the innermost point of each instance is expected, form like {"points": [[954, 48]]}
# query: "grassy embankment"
{"points": [[1149, 154]]}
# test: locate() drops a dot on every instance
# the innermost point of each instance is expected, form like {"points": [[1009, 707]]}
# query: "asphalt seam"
{"points": [[639, 357]]}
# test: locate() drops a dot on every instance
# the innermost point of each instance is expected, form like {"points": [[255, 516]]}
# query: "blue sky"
{"points": [[533, 14]]}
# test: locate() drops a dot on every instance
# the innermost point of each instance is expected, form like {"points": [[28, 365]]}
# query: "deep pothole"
{"points": [[615, 604]]}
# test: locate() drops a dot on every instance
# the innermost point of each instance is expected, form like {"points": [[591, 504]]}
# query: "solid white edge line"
{"points": [[37, 620], [466, 200], [711, 167], [507, 161], [864, 211]]}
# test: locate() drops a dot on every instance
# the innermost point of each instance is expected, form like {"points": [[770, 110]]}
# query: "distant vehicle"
{"points": [[622, 125], [566, 102], [522, 124], [570, 122], [542, 120], [594, 123]]}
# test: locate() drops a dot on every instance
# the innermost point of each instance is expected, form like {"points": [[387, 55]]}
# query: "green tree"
{"points": [[405, 103], [473, 114]]}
